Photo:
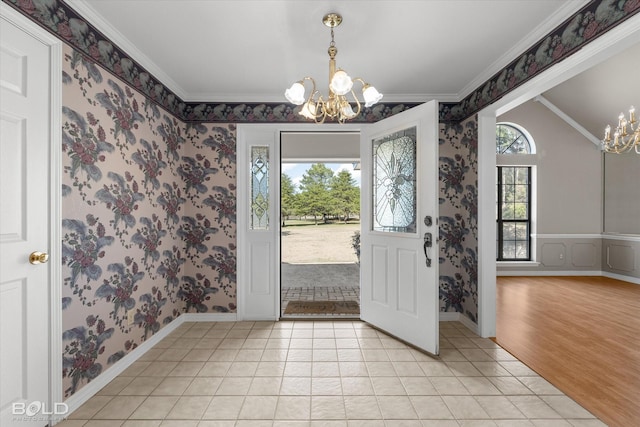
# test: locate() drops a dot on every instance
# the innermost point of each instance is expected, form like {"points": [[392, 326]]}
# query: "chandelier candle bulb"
{"points": [[626, 136]]}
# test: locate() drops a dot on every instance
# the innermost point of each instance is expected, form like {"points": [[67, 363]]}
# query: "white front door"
{"points": [[25, 288], [399, 250]]}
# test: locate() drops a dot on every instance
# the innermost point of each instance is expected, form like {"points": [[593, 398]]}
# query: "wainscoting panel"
{"points": [[616, 256], [585, 255], [621, 255], [553, 254], [578, 254]]}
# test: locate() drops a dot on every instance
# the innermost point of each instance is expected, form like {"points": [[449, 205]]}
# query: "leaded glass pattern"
{"points": [[394, 182], [259, 187]]}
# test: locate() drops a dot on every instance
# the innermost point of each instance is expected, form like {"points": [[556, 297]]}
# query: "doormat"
{"points": [[323, 307]]}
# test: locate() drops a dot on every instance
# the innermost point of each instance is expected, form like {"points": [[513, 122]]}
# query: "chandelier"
{"points": [[626, 136], [336, 106]]}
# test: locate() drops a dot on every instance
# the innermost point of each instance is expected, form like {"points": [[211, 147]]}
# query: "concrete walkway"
{"points": [[314, 275]]}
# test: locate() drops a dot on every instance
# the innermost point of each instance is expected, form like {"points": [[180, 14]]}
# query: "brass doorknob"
{"points": [[38, 257]]}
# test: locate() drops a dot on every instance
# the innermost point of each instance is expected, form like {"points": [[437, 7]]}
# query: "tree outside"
{"points": [[314, 198], [287, 197], [322, 194], [345, 195]]}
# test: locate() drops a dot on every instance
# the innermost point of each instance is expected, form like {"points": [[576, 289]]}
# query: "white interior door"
{"points": [[399, 286], [24, 228]]}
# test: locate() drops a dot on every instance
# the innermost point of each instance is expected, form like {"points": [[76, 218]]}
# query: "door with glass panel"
{"points": [[399, 249]]}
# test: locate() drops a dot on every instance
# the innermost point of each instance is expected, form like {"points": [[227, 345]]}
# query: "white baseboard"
{"points": [[94, 386], [208, 317], [630, 279], [89, 390], [469, 324], [549, 273], [451, 316]]}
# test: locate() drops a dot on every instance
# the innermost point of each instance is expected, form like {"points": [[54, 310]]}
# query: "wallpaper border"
{"points": [[590, 22]]}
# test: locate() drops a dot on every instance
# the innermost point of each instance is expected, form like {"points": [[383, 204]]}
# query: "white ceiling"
{"points": [[411, 50]]}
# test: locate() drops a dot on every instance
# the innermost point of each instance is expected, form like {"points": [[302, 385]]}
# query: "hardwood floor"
{"points": [[582, 334]]}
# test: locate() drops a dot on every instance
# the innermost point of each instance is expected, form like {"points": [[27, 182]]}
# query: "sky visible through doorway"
{"points": [[296, 170]]}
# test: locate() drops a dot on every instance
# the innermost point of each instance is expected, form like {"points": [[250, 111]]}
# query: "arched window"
{"points": [[513, 139], [513, 195]]}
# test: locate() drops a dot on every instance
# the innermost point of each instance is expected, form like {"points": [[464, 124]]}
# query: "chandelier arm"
{"points": [[313, 84], [321, 110], [626, 137], [622, 143], [627, 140], [357, 103]]}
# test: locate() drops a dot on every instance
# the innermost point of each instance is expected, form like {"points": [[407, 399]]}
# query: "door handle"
{"points": [[38, 257], [428, 242]]}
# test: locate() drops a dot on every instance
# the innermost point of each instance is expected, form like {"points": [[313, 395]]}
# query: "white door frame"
{"points": [[267, 132], [55, 194], [613, 42]]}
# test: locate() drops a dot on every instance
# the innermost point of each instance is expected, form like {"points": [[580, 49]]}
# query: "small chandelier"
{"points": [[626, 136], [337, 106]]}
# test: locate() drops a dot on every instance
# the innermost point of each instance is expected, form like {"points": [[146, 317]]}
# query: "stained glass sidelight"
{"points": [[259, 187], [394, 182]]}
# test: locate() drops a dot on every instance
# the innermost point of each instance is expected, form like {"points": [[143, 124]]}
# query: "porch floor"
{"points": [[319, 282]]}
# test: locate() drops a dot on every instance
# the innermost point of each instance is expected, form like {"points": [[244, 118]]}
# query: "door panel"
{"points": [[261, 265], [399, 188], [407, 292], [379, 274], [24, 227]]}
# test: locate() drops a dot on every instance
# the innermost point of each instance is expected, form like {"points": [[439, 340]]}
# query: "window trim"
{"points": [[500, 221]]}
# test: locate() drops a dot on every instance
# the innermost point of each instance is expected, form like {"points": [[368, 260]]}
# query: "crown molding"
{"points": [[85, 10], [204, 97], [566, 10]]}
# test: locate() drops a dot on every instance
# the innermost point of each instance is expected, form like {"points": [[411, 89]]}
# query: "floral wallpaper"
{"points": [[458, 153], [148, 219]]}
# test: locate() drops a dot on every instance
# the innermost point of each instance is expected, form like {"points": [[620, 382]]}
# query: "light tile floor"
{"points": [[325, 373]]}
